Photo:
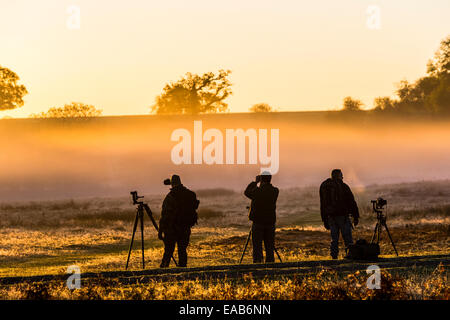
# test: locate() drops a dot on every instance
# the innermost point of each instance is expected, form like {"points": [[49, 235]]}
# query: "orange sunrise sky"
{"points": [[294, 55]]}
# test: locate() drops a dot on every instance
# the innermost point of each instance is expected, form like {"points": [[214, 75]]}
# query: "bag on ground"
{"points": [[362, 250]]}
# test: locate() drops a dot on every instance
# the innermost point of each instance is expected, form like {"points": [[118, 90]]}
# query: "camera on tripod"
{"points": [[379, 203], [378, 208], [140, 220], [135, 197]]}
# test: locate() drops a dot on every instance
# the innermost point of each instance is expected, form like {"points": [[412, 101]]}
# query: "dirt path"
{"points": [[237, 271]]}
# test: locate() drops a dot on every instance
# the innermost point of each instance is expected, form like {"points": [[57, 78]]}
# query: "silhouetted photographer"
{"points": [[337, 203], [263, 214], [178, 216]]}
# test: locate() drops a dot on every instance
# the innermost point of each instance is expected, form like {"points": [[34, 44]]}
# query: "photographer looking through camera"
{"points": [[263, 214]]}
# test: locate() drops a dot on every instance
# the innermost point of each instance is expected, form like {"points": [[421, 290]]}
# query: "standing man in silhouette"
{"points": [[178, 216], [336, 204], [263, 214]]}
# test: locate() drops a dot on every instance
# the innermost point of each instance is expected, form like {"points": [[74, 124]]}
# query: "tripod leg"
{"points": [[150, 215], [374, 233], [174, 261], [379, 232], [246, 244], [392, 241], [276, 251], [142, 238], [132, 238]]}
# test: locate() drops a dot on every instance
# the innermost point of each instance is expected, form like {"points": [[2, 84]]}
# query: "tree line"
{"points": [[199, 94], [427, 95]]}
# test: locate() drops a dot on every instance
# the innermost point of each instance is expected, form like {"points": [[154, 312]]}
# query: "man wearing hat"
{"points": [[263, 214], [336, 205], [178, 216]]}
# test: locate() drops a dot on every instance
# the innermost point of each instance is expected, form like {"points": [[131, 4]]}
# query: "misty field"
{"points": [[57, 159], [40, 238]]}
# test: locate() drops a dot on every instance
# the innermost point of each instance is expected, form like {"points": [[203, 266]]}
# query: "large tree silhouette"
{"points": [[194, 94], [11, 93]]}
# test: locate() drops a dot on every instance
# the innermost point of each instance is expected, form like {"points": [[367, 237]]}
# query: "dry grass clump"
{"points": [[324, 285]]}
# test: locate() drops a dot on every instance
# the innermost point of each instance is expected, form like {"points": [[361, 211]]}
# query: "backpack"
{"points": [[187, 205], [362, 250]]}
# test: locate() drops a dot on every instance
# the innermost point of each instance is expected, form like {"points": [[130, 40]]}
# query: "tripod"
{"points": [[248, 240], [140, 218], [381, 223]]}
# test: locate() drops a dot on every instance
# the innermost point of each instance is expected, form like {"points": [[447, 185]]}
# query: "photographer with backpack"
{"points": [[337, 203], [178, 216]]}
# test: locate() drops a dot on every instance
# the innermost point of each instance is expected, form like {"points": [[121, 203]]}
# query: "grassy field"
{"points": [[46, 237], [325, 284]]}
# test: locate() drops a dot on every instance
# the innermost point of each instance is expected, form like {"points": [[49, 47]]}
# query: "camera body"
{"points": [[379, 203], [167, 182], [135, 197]]}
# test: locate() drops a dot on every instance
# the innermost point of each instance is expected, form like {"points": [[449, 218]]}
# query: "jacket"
{"points": [[336, 199], [179, 209], [263, 205]]}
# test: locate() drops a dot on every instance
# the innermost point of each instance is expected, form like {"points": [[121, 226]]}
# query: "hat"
{"points": [[175, 180], [266, 176], [336, 173]]}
